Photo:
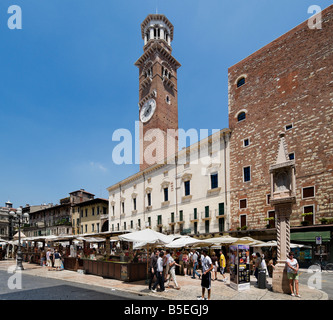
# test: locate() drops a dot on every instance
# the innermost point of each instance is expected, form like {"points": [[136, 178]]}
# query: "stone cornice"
{"points": [[156, 47]]}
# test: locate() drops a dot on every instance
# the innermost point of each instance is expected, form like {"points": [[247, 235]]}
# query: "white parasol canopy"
{"points": [[248, 240], [16, 235], [183, 242], [273, 243], [146, 236], [220, 240]]}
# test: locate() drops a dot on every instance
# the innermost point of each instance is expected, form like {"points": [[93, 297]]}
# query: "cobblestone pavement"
{"points": [[190, 288]]}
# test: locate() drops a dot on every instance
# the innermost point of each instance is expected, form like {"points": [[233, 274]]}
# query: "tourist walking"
{"points": [[222, 262], [159, 274], [185, 262], [57, 260], [172, 271], [257, 265], [207, 267], [153, 267], [215, 265], [195, 264], [166, 264], [292, 274], [48, 259]]}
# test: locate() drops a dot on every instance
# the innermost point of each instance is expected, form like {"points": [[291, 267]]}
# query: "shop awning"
{"points": [[310, 236]]}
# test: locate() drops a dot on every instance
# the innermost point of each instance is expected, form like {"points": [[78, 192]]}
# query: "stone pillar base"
{"points": [[280, 281]]}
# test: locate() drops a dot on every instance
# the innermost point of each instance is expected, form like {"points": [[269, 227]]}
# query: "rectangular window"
{"points": [[289, 127], [247, 174], [131, 224], [172, 217], [271, 215], [187, 188], [159, 220], [139, 223], [123, 207], [134, 203], [181, 215], [308, 192], [195, 227], [246, 142], [97, 210], [97, 227], [104, 210], [221, 209], [268, 199], [207, 212], [243, 204], [243, 220], [207, 226], [166, 194], [221, 225], [214, 180], [93, 211], [292, 156], [195, 213], [309, 214], [86, 211]]}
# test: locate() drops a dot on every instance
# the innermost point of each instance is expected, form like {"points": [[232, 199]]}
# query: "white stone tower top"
{"points": [[157, 27]]}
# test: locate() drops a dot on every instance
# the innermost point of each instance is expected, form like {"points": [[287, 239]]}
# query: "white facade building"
{"points": [[186, 194]]}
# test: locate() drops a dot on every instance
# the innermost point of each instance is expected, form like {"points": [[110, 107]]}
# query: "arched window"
{"points": [[240, 82], [241, 116]]}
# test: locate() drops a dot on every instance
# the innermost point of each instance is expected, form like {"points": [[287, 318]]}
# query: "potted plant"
{"points": [[306, 220], [323, 221], [268, 225]]}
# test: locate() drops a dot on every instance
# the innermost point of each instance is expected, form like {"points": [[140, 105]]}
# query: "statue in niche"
{"points": [[282, 182]]}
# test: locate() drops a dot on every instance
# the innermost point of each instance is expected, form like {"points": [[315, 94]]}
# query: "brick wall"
{"points": [[287, 82]]}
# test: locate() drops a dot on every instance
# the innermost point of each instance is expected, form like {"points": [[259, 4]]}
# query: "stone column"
{"points": [[280, 281]]}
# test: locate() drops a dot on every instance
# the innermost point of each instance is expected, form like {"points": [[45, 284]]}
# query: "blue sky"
{"points": [[68, 81]]}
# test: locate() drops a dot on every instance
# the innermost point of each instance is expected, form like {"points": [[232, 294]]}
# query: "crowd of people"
{"points": [[166, 265], [163, 266]]}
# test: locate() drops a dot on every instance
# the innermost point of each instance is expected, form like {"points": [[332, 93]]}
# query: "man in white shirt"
{"points": [[207, 267], [159, 274], [172, 270]]}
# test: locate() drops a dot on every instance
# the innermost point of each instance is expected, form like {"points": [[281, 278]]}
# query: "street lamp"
{"points": [[19, 216]]}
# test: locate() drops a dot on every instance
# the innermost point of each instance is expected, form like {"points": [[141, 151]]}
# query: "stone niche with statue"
{"points": [[283, 186], [283, 196]]}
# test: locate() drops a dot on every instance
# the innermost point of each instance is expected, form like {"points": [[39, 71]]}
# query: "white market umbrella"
{"points": [[183, 242], [16, 236], [219, 240], [248, 240], [273, 243], [146, 236]]}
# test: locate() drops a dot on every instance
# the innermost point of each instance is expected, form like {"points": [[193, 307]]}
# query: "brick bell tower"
{"points": [[158, 99]]}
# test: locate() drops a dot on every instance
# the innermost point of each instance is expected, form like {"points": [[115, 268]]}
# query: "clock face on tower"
{"points": [[147, 110]]}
